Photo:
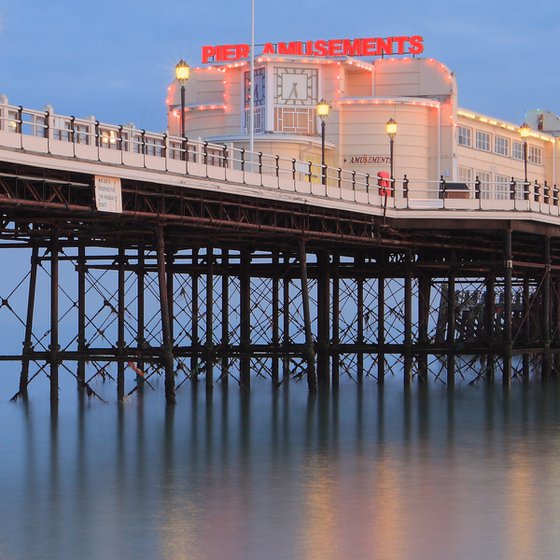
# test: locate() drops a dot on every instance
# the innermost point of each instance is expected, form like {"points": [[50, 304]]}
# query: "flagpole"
{"points": [[252, 82]]}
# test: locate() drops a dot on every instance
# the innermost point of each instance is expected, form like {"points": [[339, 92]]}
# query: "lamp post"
{"points": [[323, 112], [524, 131], [391, 128], [182, 73]]}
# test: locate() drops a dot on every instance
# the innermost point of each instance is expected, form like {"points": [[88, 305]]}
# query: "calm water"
{"points": [[362, 475]]}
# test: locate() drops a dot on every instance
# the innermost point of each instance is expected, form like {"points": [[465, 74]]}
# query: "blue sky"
{"points": [[114, 58]]}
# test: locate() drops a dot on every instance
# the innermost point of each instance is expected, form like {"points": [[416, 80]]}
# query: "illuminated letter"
{"points": [[369, 48], [320, 48], [335, 47], [416, 44], [229, 52], [293, 48], [241, 51], [400, 42], [269, 48], [352, 48], [207, 53], [385, 46]]}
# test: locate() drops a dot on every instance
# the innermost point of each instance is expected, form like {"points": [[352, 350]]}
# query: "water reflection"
{"points": [[363, 473]]}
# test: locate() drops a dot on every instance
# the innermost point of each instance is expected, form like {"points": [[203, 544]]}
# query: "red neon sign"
{"points": [[369, 46]]}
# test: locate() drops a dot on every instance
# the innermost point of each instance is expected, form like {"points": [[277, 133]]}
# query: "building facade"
{"points": [[436, 138]]}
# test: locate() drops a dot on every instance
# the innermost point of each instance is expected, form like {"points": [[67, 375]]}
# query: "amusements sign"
{"points": [[364, 159], [367, 46], [108, 194]]}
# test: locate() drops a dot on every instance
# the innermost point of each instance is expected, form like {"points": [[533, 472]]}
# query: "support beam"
{"points": [[489, 319], [140, 311], [408, 318], [209, 344], [526, 320], [121, 313], [225, 317], [424, 293], [167, 348], [194, 317], [28, 340], [54, 345], [170, 280], [245, 326], [381, 329], [286, 320], [82, 310], [275, 326], [323, 318], [359, 279], [309, 353], [451, 323], [555, 340], [335, 357], [547, 311], [508, 296]]}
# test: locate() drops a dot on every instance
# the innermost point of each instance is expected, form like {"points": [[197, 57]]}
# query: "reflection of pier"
{"points": [[221, 266]]}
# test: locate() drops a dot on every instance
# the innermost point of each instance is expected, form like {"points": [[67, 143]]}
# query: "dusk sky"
{"points": [[114, 58]]}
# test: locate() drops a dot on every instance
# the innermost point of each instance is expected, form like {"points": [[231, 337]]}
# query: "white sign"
{"points": [[108, 195]]}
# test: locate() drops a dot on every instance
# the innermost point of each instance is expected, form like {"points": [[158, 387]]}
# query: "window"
{"points": [[502, 187], [519, 188], [484, 177], [464, 136], [13, 121], [535, 155], [295, 120], [517, 150], [464, 175], [501, 146], [482, 141]]}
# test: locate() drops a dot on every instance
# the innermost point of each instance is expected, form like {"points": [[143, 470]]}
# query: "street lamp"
{"points": [[182, 74], [323, 109], [524, 131], [391, 128]]}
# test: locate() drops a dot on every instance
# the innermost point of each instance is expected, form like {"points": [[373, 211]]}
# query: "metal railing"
{"points": [[44, 133]]}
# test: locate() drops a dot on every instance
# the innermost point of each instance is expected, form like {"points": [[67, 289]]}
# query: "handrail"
{"points": [[49, 133]]}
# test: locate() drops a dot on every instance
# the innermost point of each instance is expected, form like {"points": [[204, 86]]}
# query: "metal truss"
{"points": [[186, 286]]}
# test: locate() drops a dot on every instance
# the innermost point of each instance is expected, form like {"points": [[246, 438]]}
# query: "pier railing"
{"points": [[44, 132]]}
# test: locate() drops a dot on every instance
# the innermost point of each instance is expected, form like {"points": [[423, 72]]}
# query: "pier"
{"points": [[212, 264]]}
